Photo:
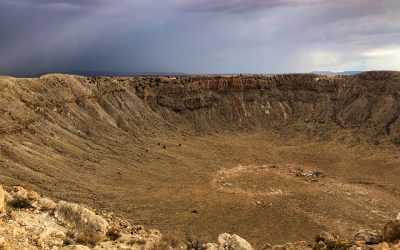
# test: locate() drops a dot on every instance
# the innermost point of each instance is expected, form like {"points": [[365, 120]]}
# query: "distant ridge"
{"points": [[337, 73], [112, 73]]}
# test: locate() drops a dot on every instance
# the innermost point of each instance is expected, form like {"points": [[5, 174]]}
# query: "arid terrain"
{"points": [[273, 159]]}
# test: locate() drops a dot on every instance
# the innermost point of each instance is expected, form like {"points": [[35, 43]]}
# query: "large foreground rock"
{"points": [[391, 231], [233, 242], [80, 218]]}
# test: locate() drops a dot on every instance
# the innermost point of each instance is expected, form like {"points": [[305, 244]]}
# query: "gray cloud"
{"points": [[240, 6]]}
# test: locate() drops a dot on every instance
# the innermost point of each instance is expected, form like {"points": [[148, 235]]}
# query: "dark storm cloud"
{"points": [[49, 2], [198, 36]]}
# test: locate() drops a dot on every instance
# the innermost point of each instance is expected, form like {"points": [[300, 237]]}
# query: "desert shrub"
{"points": [[114, 233], [19, 203]]}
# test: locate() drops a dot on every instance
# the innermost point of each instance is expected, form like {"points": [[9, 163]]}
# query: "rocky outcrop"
{"points": [[367, 102], [364, 102], [33, 222]]}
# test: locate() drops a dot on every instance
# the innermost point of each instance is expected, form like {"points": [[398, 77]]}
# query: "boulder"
{"points": [[81, 219], [391, 231], [235, 242], [326, 237], [46, 204], [370, 237], [2, 200]]}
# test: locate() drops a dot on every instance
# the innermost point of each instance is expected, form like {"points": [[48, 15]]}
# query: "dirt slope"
{"points": [[150, 147]]}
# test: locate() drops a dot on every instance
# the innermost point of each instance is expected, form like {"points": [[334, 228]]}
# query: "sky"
{"points": [[198, 36]]}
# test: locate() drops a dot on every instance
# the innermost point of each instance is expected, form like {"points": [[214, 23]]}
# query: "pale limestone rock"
{"points": [[223, 238], [239, 243], [80, 218], [235, 242]]}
